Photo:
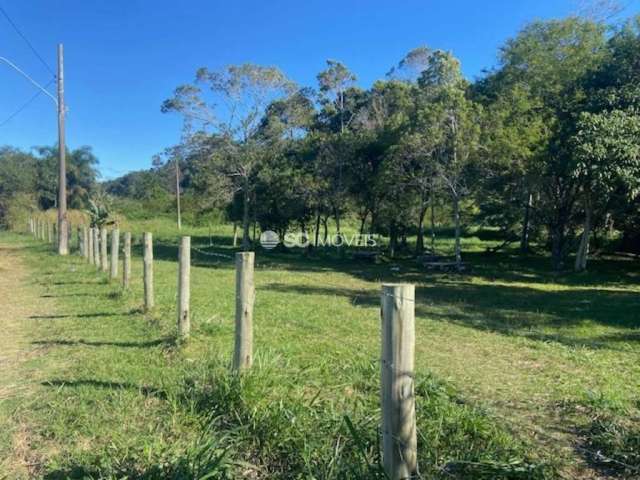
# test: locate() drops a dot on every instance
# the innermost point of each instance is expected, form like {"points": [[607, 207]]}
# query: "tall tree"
{"points": [[239, 96]]}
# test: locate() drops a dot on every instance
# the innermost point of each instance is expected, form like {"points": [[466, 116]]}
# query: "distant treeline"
{"points": [[29, 181]]}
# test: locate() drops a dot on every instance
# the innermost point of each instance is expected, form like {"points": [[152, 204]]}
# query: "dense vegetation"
{"points": [[544, 147]]}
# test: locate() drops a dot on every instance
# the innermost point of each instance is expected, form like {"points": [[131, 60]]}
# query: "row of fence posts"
{"points": [[399, 436]]}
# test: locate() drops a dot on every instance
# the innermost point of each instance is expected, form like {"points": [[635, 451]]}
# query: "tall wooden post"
{"points": [[399, 438], [148, 271], [126, 261], [115, 250], [104, 260], [184, 274], [96, 247], [63, 234], [245, 296]]}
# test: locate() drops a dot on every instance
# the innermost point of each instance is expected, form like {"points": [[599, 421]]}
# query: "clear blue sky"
{"points": [[124, 57]]}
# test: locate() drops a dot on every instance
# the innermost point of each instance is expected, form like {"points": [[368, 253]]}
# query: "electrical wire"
{"points": [[26, 40], [25, 105]]}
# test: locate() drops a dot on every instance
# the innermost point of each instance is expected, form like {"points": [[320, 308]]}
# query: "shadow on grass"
{"points": [[145, 390], [510, 310], [165, 342], [65, 295], [81, 315]]}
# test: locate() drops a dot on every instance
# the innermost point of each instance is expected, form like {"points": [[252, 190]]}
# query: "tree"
{"points": [[608, 155], [551, 58], [239, 96], [334, 82], [449, 114]]}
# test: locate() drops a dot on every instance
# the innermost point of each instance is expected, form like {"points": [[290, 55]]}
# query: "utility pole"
{"points": [[63, 231], [178, 193]]}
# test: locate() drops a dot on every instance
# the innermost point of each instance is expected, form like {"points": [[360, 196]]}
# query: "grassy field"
{"points": [[521, 373]]}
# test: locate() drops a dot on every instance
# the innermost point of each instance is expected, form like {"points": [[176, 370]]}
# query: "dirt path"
{"points": [[20, 378]]}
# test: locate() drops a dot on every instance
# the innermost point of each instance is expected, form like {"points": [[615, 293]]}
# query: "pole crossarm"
{"points": [[31, 80]]}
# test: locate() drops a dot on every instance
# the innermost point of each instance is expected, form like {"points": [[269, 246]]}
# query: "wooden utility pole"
{"points": [[63, 231], [178, 193]]}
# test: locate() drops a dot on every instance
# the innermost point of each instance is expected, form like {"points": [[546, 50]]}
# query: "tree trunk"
{"points": [[583, 249], [317, 232], [363, 221], [325, 220], [456, 219], [524, 239], [393, 240], [246, 220], [433, 225], [235, 234], [420, 239], [557, 244]]}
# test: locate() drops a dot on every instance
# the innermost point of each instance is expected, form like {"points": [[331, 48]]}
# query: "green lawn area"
{"points": [[521, 373]]}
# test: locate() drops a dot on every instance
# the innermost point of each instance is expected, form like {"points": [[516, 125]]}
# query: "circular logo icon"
{"points": [[269, 240]]}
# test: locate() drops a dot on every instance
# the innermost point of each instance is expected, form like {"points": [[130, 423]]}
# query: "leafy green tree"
{"points": [[552, 58], [448, 114], [238, 98]]}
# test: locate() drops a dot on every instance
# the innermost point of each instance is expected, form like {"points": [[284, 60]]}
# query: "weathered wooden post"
{"points": [[148, 271], [115, 250], [90, 247], [69, 233], [126, 261], [399, 438], [96, 247], [49, 232], [85, 240], [184, 274], [81, 245], [245, 296], [104, 260]]}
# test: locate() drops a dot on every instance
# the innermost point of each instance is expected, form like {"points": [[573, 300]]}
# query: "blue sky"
{"points": [[123, 58]]}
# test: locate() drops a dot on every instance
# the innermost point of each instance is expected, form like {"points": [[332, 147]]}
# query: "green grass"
{"points": [[516, 368]]}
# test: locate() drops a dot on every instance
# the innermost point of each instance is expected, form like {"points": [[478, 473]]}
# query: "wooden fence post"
{"points": [[126, 261], [104, 260], [90, 246], [399, 438], [148, 271], [245, 296], [184, 274], [85, 240], [115, 250], [81, 245], [49, 232], [96, 247]]}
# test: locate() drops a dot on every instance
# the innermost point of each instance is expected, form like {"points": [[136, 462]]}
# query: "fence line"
{"points": [[399, 429]]}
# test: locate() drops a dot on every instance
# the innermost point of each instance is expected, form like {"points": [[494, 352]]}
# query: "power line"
{"points": [[24, 106], [15, 27]]}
